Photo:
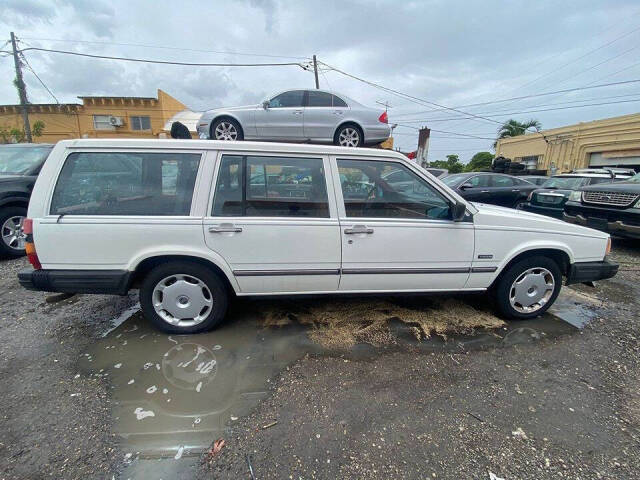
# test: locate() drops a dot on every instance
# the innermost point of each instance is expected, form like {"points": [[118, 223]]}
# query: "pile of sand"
{"points": [[339, 323]]}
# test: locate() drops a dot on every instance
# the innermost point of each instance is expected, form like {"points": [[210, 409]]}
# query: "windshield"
{"points": [[453, 180], [569, 183], [635, 178], [20, 160]]}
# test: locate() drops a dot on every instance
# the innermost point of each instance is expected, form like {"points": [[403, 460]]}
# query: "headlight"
{"points": [[530, 196], [575, 196]]}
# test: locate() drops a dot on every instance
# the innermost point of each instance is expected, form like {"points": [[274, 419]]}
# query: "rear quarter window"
{"points": [[128, 183]]}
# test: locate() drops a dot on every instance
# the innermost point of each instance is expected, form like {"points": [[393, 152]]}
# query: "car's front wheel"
{"points": [[12, 238], [528, 288], [349, 135], [183, 297], [226, 129]]}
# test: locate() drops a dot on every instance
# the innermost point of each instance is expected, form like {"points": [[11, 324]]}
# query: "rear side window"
{"points": [[126, 184], [500, 181], [255, 186]]}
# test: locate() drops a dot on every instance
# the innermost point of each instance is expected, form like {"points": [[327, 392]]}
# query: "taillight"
{"points": [[383, 118], [30, 247]]}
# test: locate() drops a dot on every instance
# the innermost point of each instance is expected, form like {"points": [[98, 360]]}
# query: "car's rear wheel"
{"points": [[349, 135], [12, 238], [183, 297], [226, 129], [528, 288], [519, 203]]}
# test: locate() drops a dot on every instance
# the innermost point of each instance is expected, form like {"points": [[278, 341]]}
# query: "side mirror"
{"points": [[265, 104], [458, 212], [464, 186]]}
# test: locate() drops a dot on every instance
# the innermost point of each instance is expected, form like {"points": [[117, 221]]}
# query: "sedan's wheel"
{"points": [[528, 288], [349, 136], [183, 297], [518, 204], [226, 129], [13, 238]]}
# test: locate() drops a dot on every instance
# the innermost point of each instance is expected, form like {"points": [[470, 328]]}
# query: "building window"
{"points": [[140, 123], [102, 122], [531, 162]]}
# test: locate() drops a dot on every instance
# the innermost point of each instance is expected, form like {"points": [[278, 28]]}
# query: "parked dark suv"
{"points": [[488, 187], [613, 208], [19, 168], [550, 198]]}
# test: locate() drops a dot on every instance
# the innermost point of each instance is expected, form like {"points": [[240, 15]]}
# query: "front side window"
{"points": [[140, 123], [256, 186], [126, 184], [102, 122], [377, 189], [478, 181], [287, 99]]}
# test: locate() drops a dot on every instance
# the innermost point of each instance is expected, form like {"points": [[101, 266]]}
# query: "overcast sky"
{"points": [[453, 53]]}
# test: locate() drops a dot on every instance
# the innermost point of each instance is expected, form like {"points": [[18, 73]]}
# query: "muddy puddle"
{"points": [[175, 394]]}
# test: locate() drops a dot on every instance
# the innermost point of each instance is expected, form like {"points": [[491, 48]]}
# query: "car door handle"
{"points": [[358, 229], [515, 190], [297, 112], [225, 229], [484, 191], [337, 112]]}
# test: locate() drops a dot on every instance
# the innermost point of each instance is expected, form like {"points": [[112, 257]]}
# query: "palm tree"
{"points": [[513, 128]]}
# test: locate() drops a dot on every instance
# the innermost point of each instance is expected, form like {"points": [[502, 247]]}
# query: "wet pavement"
{"points": [[175, 394]]}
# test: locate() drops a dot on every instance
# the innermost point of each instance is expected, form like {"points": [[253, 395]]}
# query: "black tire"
{"points": [[502, 288], [230, 121], [216, 286], [345, 129], [6, 214], [519, 202]]}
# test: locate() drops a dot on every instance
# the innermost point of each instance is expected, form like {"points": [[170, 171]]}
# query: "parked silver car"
{"points": [[317, 116]]}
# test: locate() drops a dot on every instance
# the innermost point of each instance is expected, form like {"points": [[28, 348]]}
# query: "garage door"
{"points": [[627, 158]]}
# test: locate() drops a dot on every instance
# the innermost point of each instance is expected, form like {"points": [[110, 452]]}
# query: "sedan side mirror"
{"points": [[464, 186], [458, 212], [265, 104]]}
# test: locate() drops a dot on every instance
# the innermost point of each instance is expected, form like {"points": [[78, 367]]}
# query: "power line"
{"points": [[522, 97], [451, 133], [523, 112], [36, 75], [163, 47], [407, 96], [163, 62]]}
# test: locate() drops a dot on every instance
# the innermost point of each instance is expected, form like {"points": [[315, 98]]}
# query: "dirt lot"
{"points": [[550, 407], [567, 407]]}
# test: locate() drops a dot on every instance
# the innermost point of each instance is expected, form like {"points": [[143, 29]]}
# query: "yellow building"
{"points": [[98, 117], [611, 142]]}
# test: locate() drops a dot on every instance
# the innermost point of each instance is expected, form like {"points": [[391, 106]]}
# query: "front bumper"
{"points": [[109, 282], [554, 212], [615, 227], [591, 271]]}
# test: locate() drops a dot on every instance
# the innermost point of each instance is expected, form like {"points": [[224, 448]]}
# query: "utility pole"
{"points": [[22, 89], [315, 71]]}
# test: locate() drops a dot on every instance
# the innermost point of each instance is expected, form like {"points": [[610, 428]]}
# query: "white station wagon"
{"points": [[190, 222]]}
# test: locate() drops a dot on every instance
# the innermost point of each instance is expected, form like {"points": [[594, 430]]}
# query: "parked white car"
{"points": [[192, 222]]}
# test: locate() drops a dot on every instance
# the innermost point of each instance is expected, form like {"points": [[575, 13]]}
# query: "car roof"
{"points": [[332, 92], [590, 175], [268, 147], [23, 145]]}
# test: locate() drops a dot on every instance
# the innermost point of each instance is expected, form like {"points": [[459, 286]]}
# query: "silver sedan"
{"points": [[299, 116]]}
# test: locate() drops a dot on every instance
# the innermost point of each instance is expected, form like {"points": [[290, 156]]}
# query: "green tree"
{"points": [[452, 163], [479, 162], [513, 128], [17, 135]]}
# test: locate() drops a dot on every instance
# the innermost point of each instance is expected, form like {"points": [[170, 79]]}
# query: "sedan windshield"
{"points": [[453, 180], [20, 160], [569, 183]]}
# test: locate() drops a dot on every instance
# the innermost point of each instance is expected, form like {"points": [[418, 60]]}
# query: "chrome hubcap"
{"points": [[12, 234], [531, 290], [349, 137], [182, 300], [226, 131]]}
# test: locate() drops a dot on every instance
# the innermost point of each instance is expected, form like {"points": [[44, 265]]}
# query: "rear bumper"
{"points": [[548, 211], [591, 271], [110, 282]]}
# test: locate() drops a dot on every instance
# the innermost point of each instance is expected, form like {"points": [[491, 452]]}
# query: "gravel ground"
{"points": [[52, 423], [567, 407]]}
